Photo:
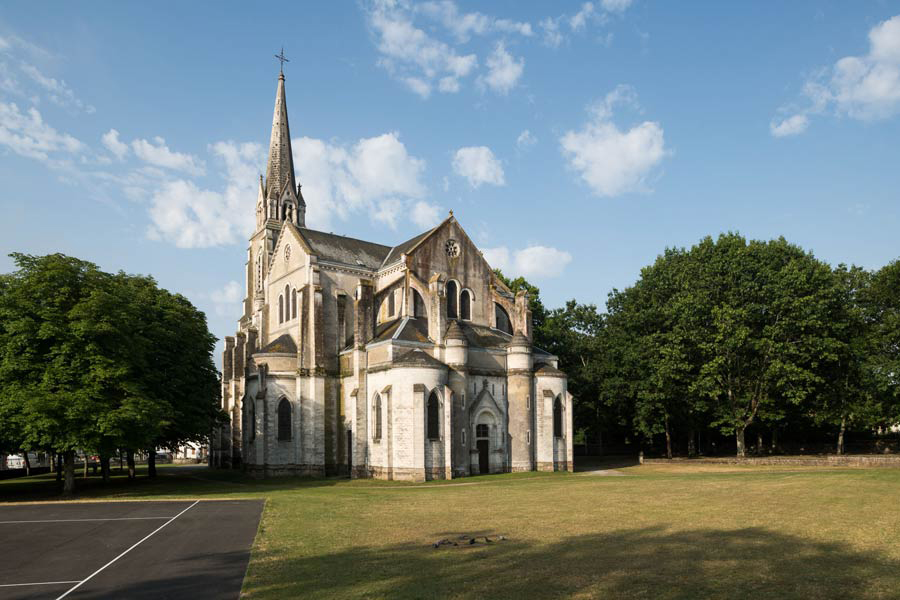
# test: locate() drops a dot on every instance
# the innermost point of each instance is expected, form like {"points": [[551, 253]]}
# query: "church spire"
{"points": [[280, 168]]}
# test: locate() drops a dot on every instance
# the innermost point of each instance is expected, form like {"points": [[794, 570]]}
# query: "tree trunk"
{"points": [[739, 438], [774, 441], [129, 455], [59, 465], [27, 463], [759, 443], [840, 443], [151, 463], [120, 460], [53, 462], [104, 467], [600, 443], [69, 479], [85, 466], [668, 439], [692, 447]]}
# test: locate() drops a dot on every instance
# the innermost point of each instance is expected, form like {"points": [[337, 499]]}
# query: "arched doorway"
{"points": [[484, 427]]}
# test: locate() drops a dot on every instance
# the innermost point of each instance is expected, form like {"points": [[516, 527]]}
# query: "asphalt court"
{"points": [[159, 549]]}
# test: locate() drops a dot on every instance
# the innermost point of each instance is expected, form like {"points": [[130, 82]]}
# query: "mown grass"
{"points": [[659, 532]]}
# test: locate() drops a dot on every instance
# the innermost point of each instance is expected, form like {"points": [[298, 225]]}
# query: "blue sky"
{"points": [[573, 141]]}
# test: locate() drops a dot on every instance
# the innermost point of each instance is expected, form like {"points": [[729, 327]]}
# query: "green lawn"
{"points": [[659, 532]]}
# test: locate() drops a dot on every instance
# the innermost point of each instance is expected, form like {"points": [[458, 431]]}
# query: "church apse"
{"points": [[408, 361]]}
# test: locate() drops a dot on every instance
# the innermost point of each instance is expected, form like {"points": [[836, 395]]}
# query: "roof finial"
{"points": [[451, 212], [282, 59]]}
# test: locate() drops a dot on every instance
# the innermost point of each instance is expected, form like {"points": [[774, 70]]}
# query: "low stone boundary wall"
{"points": [[827, 460]]}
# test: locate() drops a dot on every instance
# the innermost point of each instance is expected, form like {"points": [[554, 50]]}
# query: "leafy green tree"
{"points": [[573, 334], [882, 305], [94, 361], [46, 378], [769, 334], [846, 397]]}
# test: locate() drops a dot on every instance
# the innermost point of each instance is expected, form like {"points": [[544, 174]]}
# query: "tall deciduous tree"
{"points": [[882, 305], [94, 361]]}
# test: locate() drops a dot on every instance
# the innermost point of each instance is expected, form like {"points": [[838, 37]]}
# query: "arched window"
{"points": [[452, 292], [281, 309], [376, 416], [293, 304], [434, 420], [391, 306], [284, 420], [465, 305], [482, 430], [557, 418], [502, 319]]}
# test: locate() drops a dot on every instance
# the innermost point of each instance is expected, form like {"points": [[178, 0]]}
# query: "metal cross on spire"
{"points": [[281, 58]]}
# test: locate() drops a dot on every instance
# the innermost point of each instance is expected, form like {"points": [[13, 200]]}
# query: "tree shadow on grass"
{"points": [[638, 563], [179, 481], [598, 463]]}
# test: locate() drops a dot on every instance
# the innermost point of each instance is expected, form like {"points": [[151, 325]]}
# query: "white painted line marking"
{"points": [[89, 577], [83, 520], [36, 583]]}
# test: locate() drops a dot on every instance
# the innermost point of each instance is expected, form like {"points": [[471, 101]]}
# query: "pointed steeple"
{"points": [[280, 168]]}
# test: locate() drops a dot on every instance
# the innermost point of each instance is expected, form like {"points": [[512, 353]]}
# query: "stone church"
{"points": [[411, 361]]}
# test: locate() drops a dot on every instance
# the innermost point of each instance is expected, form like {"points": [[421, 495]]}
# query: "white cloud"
{"points": [[525, 140], [498, 257], [863, 87], [532, 262], [615, 6], [425, 214], [789, 126], [19, 75], [193, 217], [388, 211], [373, 175], [553, 37], [112, 143], [478, 165], [26, 134], [226, 299], [555, 28], [580, 19], [423, 88], [462, 26], [448, 85], [413, 56], [612, 161], [504, 70], [157, 153], [58, 92]]}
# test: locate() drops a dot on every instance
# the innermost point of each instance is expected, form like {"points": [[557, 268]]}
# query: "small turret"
{"points": [[457, 346], [518, 353]]}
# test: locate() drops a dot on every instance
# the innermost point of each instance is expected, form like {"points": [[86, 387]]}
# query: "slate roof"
{"points": [[394, 255], [417, 358], [482, 336], [345, 250], [410, 330], [545, 369], [283, 343]]}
